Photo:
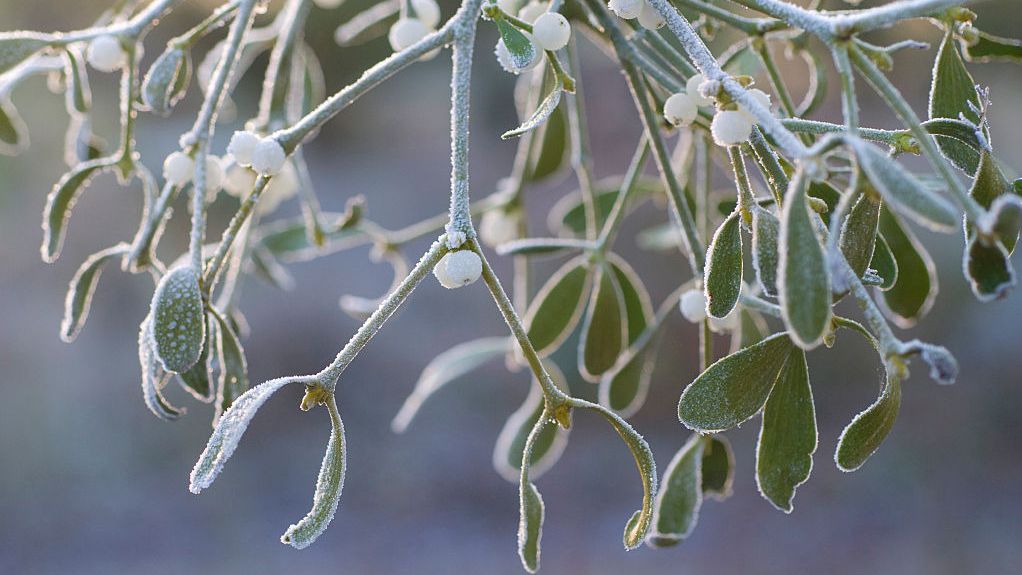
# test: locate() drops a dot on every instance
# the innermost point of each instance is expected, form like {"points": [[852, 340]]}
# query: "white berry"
{"points": [[498, 227], [692, 87], [760, 96], [239, 181], [551, 31], [178, 168], [693, 305], [106, 54], [626, 9], [531, 11], [328, 4], [680, 109], [281, 188], [428, 11], [649, 18], [241, 147], [507, 62], [730, 128], [406, 32], [268, 157], [214, 177], [458, 269]]}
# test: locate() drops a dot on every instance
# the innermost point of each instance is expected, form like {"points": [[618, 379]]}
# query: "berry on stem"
{"points": [[649, 18], [458, 269], [730, 127], [532, 11], [692, 87], [551, 31], [268, 157], [627, 9], [241, 147], [178, 168], [406, 32], [680, 109], [427, 11], [761, 97], [106, 54]]}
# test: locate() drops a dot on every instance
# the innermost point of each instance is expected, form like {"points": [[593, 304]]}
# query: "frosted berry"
{"points": [[693, 305], [730, 128], [268, 157], [241, 147], [214, 177], [649, 18], [680, 109], [427, 11], [458, 269], [551, 31], [239, 181], [761, 97], [281, 188], [498, 227], [626, 9], [178, 168], [692, 87], [532, 11], [106, 54], [406, 32]]}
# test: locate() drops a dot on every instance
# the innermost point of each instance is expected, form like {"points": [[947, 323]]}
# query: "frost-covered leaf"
{"points": [[62, 200], [735, 388], [804, 288], [509, 452], [964, 138], [988, 48], [232, 380], [81, 289], [723, 277], [868, 429], [988, 267], [178, 325], [990, 184], [567, 217], [676, 510], [539, 117], [556, 309], [903, 192], [951, 93], [530, 525], [328, 488], [605, 327], [230, 428], [445, 368], [519, 47], [16, 47], [916, 288], [787, 439], [859, 231], [766, 229], [167, 80], [718, 468], [154, 378], [198, 380], [79, 95], [623, 388]]}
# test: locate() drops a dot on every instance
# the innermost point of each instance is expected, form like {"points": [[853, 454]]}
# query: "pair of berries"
{"points": [[729, 127]]}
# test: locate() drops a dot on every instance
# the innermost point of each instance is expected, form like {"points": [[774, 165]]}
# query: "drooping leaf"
{"points": [[988, 48], [540, 116], [988, 268], [766, 229], [556, 309], [904, 193], [804, 288], [624, 388], [328, 488], [154, 378], [951, 92], [605, 327], [989, 185], [787, 439], [676, 510], [868, 429], [916, 288], [718, 468], [61, 201], [81, 289], [178, 324], [723, 283], [859, 231], [445, 368], [16, 47], [530, 526], [735, 388], [548, 445], [167, 80], [884, 264]]}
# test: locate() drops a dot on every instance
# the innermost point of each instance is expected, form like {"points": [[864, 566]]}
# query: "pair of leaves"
{"points": [[624, 387], [703, 467]]}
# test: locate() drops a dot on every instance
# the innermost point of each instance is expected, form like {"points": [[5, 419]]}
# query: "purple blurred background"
{"points": [[91, 483]]}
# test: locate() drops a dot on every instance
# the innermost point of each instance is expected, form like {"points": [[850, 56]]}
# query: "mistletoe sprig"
{"points": [[827, 208]]}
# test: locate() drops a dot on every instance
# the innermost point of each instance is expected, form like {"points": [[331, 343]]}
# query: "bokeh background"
{"points": [[91, 483]]}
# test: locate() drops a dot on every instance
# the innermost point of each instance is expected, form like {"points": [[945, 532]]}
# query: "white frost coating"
{"points": [[178, 168], [268, 157], [106, 54], [551, 31], [627, 9], [178, 325], [153, 376], [230, 428], [506, 61], [680, 109], [458, 269], [242, 146], [328, 489]]}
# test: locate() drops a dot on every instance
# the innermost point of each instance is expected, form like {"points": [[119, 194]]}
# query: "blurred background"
{"points": [[90, 482]]}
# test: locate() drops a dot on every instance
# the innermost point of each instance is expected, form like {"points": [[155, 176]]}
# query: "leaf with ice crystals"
{"points": [[198, 379], [328, 488], [520, 48], [167, 80], [81, 289], [530, 525], [718, 468], [765, 230], [681, 495], [153, 377], [540, 116], [230, 428], [859, 232], [953, 95], [62, 200], [723, 283], [804, 280], [866, 432], [232, 381], [179, 323]]}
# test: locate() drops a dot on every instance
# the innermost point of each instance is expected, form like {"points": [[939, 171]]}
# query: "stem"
{"points": [[849, 106], [628, 186], [459, 227], [227, 238], [581, 157]]}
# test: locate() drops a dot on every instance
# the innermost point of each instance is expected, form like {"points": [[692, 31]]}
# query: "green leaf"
{"points": [[1005, 219], [519, 47], [530, 526], [81, 289], [154, 378], [723, 283], [445, 368], [79, 95], [198, 379], [735, 388], [676, 510], [916, 288], [178, 325], [989, 185], [556, 309], [952, 91], [859, 231], [988, 269], [868, 429], [328, 488], [958, 132], [16, 47], [623, 389], [167, 80], [787, 439], [61, 201], [903, 192], [884, 264], [232, 381], [13, 132], [229, 430], [766, 229], [718, 468], [989, 48], [288, 239], [552, 147], [540, 116], [605, 327], [804, 287], [509, 452], [567, 217]]}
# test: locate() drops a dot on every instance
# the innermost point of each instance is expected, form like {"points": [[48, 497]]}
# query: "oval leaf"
{"points": [[82, 287], [916, 288], [859, 231], [989, 270], [676, 510], [723, 283], [519, 47], [557, 307], [178, 326], [61, 201], [605, 329], [198, 379], [766, 229], [805, 296], [167, 80], [868, 429], [951, 93]]}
